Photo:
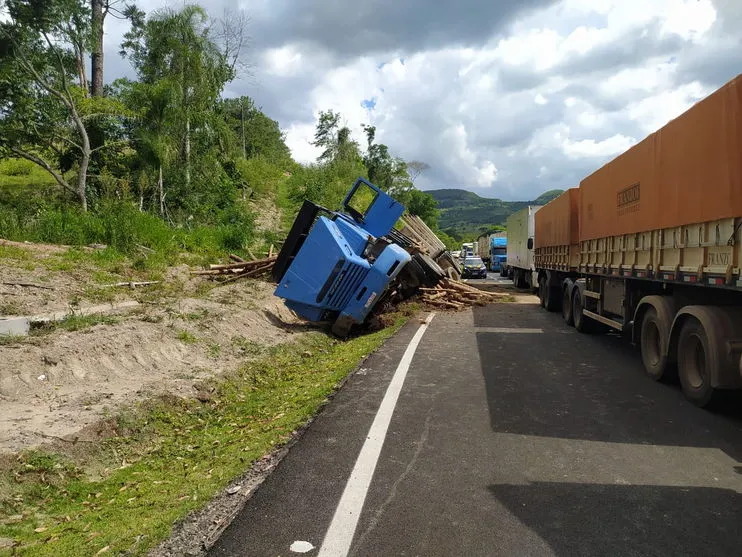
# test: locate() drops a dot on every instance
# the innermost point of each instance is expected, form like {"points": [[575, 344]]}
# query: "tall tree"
{"points": [[415, 168], [99, 10], [98, 13], [257, 133], [178, 47], [41, 107], [388, 172]]}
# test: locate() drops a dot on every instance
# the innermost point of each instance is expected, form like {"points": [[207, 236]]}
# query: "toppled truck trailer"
{"points": [[339, 266]]}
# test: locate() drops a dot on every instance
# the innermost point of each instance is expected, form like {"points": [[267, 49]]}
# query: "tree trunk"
{"points": [[96, 55], [161, 191], [85, 153], [244, 149], [80, 55], [188, 154], [82, 177]]}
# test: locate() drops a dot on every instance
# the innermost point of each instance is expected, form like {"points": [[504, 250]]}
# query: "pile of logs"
{"points": [[454, 294], [241, 268]]}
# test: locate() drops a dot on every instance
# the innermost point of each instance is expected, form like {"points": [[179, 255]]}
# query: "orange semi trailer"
{"points": [[650, 244]]}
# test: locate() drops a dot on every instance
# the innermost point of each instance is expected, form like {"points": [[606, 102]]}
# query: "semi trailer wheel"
{"points": [[567, 314], [583, 323], [695, 363], [542, 291], [552, 300], [654, 336]]}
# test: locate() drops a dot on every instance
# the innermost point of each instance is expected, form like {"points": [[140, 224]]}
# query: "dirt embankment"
{"points": [[62, 383]]}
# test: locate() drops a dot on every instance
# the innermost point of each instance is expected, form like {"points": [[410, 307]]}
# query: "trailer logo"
{"points": [[627, 200]]}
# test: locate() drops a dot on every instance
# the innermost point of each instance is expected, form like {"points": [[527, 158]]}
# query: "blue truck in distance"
{"points": [[337, 266], [498, 254]]}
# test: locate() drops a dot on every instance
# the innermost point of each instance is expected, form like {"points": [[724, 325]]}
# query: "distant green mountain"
{"points": [[465, 215]]}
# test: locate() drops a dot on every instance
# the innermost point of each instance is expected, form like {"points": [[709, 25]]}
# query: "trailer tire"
{"points": [[694, 363], [519, 277], [553, 299], [567, 313], [653, 339], [542, 291], [583, 323]]}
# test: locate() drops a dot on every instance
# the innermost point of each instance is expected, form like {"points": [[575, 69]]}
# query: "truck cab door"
{"points": [[375, 211]]}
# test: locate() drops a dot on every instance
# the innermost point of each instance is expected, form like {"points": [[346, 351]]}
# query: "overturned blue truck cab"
{"points": [[338, 266]]}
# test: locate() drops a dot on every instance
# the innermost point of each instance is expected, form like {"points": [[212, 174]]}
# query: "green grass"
{"points": [[17, 176], [125, 230], [75, 323], [187, 338], [9, 307], [171, 456], [15, 253]]}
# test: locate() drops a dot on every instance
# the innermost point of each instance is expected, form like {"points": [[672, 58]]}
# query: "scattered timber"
{"points": [[239, 269], [131, 284], [453, 294]]}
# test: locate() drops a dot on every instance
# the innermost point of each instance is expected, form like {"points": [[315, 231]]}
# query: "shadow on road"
{"points": [[563, 384], [609, 520]]}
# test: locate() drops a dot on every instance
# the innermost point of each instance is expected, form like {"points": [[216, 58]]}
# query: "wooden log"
{"points": [[236, 258], [465, 287], [131, 284], [251, 273], [202, 272], [145, 248], [247, 264], [454, 305]]}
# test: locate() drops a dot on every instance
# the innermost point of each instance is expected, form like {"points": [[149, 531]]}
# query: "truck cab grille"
{"points": [[347, 282]]}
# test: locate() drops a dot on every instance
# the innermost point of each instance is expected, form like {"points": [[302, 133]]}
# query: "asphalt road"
{"points": [[512, 436]]}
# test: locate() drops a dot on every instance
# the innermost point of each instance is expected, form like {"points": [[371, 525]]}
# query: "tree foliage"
{"points": [[257, 134], [167, 142], [39, 102]]}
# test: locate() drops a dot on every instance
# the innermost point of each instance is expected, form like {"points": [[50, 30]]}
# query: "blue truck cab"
{"points": [[498, 254], [336, 266]]}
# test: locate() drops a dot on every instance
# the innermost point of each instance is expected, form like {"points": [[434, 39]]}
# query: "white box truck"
{"points": [[520, 232]]}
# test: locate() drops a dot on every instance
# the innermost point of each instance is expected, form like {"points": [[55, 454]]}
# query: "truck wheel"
{"points": [[653, 339], [553, 300], [583, 323], [694, 363], [542, 290], [342, 326], [503, 272], [520, 279], [567, 314]]}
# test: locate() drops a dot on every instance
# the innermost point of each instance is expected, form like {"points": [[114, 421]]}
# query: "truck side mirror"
{"points": [[530, 243]]}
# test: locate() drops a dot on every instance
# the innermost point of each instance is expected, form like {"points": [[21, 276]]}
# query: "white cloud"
{"points": [[611, 146], [513, 111], [283, 61]]}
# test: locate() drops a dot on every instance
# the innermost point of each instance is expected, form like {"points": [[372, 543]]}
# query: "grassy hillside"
{"points": [[465, 214]]}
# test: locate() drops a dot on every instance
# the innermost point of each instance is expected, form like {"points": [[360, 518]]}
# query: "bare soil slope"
{"points": [[60, 383]]}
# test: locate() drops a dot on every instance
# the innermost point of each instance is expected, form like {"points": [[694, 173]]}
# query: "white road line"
{"points": [[345, 520]]}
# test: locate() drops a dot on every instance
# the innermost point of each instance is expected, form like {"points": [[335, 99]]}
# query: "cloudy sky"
{"points": [[502, 97]]}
